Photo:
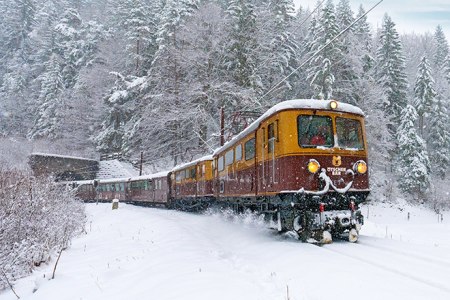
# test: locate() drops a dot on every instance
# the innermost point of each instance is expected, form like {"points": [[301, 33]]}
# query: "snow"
{"points": [[109, 169], [60, 156], [290, 104], [149, 253]]}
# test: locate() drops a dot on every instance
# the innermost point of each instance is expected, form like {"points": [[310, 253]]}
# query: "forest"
{"points": [[84, 77]]}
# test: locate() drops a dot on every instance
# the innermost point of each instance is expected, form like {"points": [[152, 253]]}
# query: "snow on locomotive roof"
{"points": [[192, 163], [291, 104]]}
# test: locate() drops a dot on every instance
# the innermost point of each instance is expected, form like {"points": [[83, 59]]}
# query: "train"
{"points": [[303, 164]]}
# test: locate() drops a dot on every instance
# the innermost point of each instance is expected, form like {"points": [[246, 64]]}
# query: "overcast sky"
{"points": [[409, 16]]}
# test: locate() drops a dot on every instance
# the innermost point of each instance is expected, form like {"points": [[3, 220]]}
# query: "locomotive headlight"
{"points": [[313, 166], [333, 104], [360, 167]]}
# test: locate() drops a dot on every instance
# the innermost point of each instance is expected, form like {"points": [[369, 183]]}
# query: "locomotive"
{"points": [[303, 164]]}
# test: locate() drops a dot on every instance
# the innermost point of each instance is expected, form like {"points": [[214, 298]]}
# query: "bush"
{"points": [[37, 218]]}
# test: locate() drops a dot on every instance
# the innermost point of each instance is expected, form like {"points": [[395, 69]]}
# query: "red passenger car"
{"points": [[149, 189]]}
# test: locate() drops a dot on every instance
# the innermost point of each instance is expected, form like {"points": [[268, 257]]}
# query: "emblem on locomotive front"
{"points": [[337, 161]]}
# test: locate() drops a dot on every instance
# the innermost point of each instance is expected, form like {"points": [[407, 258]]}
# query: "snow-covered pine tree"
{"points": [[344, 15], [49, 108], [349, 68], [168, 116], [241, 59], [18, 21], [440, 62], [208, 86], [390, 71], [424, 93], [44, 34], [320, 70], [113, 134], [414, 164], [441, 49], [68, 32], [364, 40], [300, 30], [137, 18], [439, 138], [277, 48], [361, 59]]}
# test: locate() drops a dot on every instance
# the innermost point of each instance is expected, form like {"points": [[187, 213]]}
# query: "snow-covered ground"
{"points": [[149, 253]]}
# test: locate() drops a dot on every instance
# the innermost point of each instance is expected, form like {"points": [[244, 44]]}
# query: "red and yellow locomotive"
{"points": [[303, 164]]}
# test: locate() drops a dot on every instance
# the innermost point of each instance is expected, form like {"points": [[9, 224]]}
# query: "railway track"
{"points": [[404, 263]]}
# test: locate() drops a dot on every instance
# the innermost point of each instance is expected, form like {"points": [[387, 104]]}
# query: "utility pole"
{"points": [[140, 165], [222, 126]]}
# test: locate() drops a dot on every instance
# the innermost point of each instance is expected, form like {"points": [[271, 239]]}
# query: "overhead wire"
{"points": [[320, 50]]}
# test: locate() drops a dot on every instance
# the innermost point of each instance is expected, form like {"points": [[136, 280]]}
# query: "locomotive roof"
{"points": [[291, 104], [192, 163]]}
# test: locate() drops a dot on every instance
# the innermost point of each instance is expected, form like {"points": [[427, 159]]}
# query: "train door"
{"points": [[251, 162], [271, 173], [261, 157]]}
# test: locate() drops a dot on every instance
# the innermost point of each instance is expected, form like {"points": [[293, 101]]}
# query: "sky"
{"points": [[417, 16]]}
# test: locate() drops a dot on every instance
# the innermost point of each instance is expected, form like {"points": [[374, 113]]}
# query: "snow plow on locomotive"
{"points": [[303, 164]]}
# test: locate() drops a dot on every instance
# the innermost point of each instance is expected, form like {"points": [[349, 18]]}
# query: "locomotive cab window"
{"points": [[315, 131], [250, 149], [349, 134]]}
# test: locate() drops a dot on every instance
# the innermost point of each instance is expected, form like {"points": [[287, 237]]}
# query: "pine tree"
{"points": [[447, 71], [159, 96], [348, 69], [344, 15], [68, 34], [390, 71], [241, 59], [424, 93], [50, 102], [442, 50], [414, 164], [277, 48], [16, 58], [439, 138], [44, 38], [112, 136], [363, 37], [320, 69], [138, 19]]}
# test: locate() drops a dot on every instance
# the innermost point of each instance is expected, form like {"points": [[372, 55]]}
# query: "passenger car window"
{"points": [[249, 149], [238, 152], [229, 157], [315, 131], [221, 164]]}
